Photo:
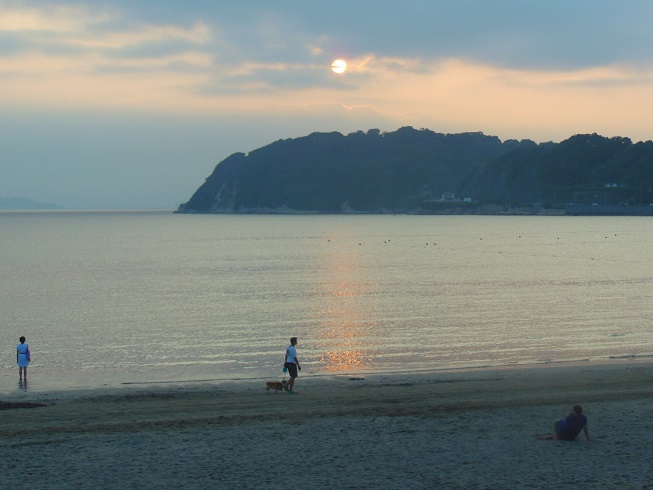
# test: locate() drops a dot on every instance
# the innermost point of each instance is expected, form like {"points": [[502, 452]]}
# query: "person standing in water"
{"points": [[22, 359], [292, 363]]}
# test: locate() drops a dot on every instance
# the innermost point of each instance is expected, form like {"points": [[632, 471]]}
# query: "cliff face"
{"points": [[408, 170]]}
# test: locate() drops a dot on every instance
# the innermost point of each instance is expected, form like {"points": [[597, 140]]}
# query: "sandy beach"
{"points": [[460, 429]]}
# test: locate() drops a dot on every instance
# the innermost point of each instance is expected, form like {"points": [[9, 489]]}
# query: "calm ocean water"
{"points": [[106, 298]]}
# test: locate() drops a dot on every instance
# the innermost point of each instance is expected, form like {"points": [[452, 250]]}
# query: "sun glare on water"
{"points": [[339, 66]]}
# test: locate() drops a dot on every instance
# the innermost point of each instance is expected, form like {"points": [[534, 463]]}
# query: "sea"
{"points": [[150, 297]]}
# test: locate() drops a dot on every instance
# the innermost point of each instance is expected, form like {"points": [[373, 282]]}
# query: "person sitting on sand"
{"points": [[568, 428]]}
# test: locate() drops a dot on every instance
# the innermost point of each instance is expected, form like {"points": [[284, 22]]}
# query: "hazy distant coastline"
{"points": [[24, 204]]}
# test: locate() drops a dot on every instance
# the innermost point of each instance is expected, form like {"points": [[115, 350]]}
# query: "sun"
{"points": [[339, 66]]}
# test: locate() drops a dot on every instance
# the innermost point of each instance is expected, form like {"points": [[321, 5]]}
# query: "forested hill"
{"points": [[420, 171]]}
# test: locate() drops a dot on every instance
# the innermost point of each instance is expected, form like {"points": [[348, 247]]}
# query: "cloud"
{"points": [[260, 48], [67, 56], [49, 18], [137, 36], [242, 74], [83, 27]]}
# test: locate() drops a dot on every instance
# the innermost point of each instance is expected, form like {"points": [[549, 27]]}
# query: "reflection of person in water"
{"points": [[568, 428], [22, 359]]}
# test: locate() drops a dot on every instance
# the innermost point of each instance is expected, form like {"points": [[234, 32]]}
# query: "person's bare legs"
{"points": [[291, 383], [22, 374]]}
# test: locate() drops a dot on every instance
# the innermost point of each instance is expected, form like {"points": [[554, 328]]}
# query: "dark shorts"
{"points": [[559, 428], [292, 369], [563, 431]]}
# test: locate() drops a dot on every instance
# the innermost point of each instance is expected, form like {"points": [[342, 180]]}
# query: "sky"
{"points": [[130, 104]]}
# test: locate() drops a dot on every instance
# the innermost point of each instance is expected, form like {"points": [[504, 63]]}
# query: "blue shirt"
{"points": [[291, 354]]}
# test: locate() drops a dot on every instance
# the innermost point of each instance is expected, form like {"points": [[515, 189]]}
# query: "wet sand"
{"points": [[462, 429]]}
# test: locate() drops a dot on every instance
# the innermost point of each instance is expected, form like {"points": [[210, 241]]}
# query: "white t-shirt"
{"points": [[291, 354]]}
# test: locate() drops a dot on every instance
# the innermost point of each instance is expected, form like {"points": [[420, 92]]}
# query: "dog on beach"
{"points": [[275, 385]]}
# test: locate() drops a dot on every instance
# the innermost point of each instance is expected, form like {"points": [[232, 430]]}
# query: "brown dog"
{"points": [[275, 385]]}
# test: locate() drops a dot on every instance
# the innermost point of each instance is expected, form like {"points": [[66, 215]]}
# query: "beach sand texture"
{"points": [[462, 429]]}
